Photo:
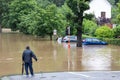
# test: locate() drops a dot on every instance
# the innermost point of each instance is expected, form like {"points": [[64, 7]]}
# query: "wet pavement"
{"points": [[88, 75]]}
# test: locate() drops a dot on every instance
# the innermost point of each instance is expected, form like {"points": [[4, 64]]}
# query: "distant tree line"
{"points": [[37, 17]]}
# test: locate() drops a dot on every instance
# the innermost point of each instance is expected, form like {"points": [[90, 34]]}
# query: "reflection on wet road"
{"points": [[54, 56]]}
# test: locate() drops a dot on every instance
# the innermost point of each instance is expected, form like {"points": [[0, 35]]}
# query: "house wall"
{"points": [[98, 6]]}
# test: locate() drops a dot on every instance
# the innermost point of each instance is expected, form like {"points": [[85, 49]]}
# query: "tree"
{"points": [[32, 17], [0, 29], [116, 1], [78, 7], [117, 31], [43, 21], [65, 10], [43, 3], [52, 19], [118, 11], [89, 27], [112, 2], [58, 2], [3, 11], [18, 9]]}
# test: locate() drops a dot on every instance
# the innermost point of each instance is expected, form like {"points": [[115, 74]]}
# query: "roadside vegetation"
{"points": [[41, 17]]}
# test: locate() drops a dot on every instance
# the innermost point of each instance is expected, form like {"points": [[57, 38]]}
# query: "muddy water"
{"points": [[54, 56]]}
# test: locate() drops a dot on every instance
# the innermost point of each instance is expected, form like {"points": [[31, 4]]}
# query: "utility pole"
{"points": [[68, 28]]}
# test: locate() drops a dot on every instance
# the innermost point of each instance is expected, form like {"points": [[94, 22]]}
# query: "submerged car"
{"points": [[93, 41], [69, 38]]}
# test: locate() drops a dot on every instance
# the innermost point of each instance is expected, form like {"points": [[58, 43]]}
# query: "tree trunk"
{"points": [[79, 29], [0, 29], [51, 37], [79, 36]]}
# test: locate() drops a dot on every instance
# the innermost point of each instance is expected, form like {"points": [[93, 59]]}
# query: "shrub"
{"points": [[112, 41], [104, 32], [117, 31]]}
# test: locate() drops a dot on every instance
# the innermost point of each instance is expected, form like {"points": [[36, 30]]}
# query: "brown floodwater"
{"points": [[54, 56]]}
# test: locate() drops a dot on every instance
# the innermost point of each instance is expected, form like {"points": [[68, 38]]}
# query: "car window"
{"points": [[72, 37], [89, 40], [96, 40]]}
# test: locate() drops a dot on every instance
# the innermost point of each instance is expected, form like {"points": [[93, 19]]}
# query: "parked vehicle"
{"points": [[69, 38], [59, 40], [93, 41]]}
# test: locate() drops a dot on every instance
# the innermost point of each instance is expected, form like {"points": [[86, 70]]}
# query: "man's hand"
{"points": [[36, 59], [22, 62]]}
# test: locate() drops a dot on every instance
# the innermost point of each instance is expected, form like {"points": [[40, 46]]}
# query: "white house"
{"points": [[100, 8]]}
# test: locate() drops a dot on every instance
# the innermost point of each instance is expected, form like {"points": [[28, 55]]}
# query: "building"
{"points": [[100, 8], [102, 12]]}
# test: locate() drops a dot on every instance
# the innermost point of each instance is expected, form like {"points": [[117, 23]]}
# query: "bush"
{"points": [[112, 41], [104, 32]]}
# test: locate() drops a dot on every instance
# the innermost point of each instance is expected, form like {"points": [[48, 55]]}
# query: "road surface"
{"points": [[88, 75]]}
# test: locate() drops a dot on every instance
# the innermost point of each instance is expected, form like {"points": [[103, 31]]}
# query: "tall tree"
{"points": [[18, 9], [58, 2], [3, 11], [0, 29], [116, 1], [78, 7], [50, 18], [112, 2], [118, 15]]}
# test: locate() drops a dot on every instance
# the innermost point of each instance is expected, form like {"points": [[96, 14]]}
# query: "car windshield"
{"points": [[89, 40], [92, 40], [72, 37], [96, 40]]}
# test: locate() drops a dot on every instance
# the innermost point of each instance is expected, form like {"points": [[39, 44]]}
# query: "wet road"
{"points": [[54, 56], [90, 75]]}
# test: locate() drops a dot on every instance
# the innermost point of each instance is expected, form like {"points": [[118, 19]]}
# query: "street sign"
{"points": [[54, 32]]}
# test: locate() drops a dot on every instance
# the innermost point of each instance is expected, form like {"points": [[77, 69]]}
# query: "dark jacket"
{"points": [[28, 55]]}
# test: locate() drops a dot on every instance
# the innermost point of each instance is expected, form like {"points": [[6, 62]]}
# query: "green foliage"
{"points": [[58, 2], [89, 27], [118, 10], [112, 2], [4, 9], [115, 11], [89, 16], [117, 31], [18, 9], [78, 6], [116, 14], [53, 19], [28, 23], [44, 21], [43, 3], [115, 41], [35, 17], [67, 12], [116, 1], [104, 32]]}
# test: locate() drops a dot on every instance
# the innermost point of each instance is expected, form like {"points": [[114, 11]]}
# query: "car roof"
{"points": [[71, 36], [90, 38]]}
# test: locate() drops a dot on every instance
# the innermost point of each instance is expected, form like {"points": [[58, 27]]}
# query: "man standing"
{"points": [[27, 60]]}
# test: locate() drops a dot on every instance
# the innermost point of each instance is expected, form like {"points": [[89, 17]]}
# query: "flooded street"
{"points": [[54, 56]]}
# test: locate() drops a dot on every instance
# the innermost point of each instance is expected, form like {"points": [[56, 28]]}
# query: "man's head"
{"points": [[27, 47]]}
